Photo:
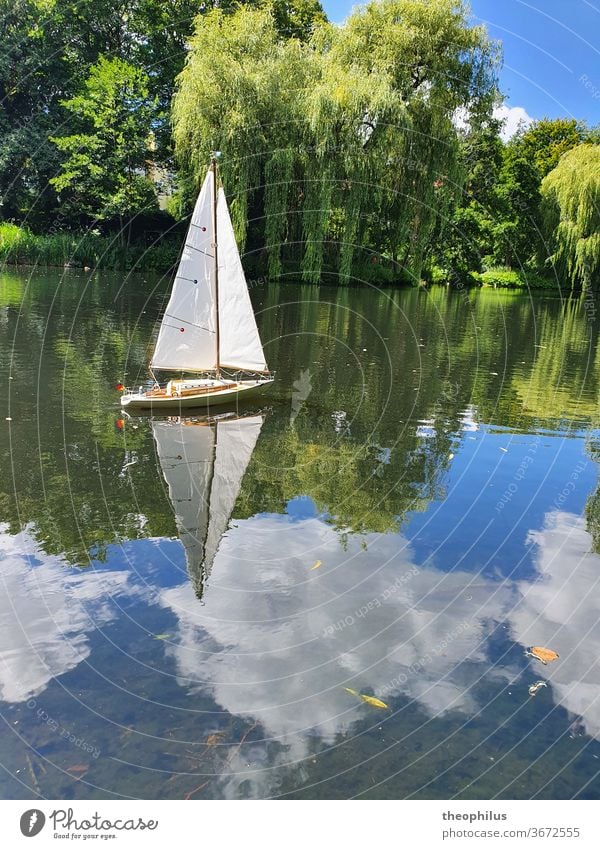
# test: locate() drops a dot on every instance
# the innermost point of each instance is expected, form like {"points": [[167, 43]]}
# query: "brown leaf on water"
{"points": [[78, 769], [213, 739], [542, 654]]}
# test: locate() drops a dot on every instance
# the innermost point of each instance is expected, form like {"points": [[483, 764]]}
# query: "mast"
{"points": [[213, 165]]}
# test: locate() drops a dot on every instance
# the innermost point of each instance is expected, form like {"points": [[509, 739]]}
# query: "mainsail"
{"points": [[203, 464], [198, 331], [187, 339]]}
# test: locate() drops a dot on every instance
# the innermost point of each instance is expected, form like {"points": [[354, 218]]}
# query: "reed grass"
{"points": [[19, 246]]}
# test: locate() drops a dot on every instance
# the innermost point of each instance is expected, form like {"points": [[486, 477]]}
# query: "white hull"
{"points": [[206, 393]]}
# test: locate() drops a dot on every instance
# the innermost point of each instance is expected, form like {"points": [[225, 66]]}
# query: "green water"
{"points": [[165, 630]]}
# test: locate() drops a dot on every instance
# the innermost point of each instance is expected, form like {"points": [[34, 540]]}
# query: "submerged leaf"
{"points": [[78, 769], [161, 636]]}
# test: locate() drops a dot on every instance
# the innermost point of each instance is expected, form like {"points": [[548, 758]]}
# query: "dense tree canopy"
{"points": [[571, 195], [342, 153], [49, 52], [339, 142], [498, 219], [545, 141], [102, 175]]}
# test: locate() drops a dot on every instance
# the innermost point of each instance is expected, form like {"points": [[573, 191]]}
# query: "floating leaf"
{"points": [[542, 654], [316, 566], [370, 700], [536, 686], [375, 702], [161, 636]]}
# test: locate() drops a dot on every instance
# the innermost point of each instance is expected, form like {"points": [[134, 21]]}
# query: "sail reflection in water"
{"points": [[203, 462]]}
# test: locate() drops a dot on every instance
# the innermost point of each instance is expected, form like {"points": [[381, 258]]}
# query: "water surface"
{"points": [[414, 504]]}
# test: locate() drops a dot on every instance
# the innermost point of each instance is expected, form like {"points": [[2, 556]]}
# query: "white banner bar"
{"points": [[301, 824]]}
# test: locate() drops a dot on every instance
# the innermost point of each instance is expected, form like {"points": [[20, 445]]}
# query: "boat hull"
{"points": [[196, 394]]}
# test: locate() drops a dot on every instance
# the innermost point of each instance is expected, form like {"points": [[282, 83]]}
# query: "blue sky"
{"points": [[551, 53]]}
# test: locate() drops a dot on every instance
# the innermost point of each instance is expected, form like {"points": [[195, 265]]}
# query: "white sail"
{"points": [[203, 465], [240, 345], [187, 456], [187, 339], [236, 439]]}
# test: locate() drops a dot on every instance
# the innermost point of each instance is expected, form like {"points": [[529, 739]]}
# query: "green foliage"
{"points": [[348, 156], [295, 18], [48, 52], [516, 227], [100, 176], [571, 204], [497, 220], [19, 246], [508, 278], [545, 141], [341, 158]]}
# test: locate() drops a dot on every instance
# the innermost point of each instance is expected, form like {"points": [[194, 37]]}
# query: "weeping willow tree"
{"points": [[571, 206], [333, 146]]}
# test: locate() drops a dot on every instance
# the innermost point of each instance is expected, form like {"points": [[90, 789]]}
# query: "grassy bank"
{"points": [[496, 278], [508, 278], [19, 246]]}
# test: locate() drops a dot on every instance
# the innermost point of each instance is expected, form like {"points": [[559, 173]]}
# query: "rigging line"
{"points": [[200, 251], [175, 462], [191, 323], [188, 279]]}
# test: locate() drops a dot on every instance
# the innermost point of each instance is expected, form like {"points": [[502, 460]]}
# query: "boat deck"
{"points": [[182, 393]]}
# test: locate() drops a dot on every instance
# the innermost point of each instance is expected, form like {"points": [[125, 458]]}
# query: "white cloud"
{"points": [[47, 611], [513, 117], [562, 610], [278, 643]]}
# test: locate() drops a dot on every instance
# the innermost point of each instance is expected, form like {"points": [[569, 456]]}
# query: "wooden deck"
{"points": [[184, 393]]}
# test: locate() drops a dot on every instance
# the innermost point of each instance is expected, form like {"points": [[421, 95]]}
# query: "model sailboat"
{"points": [[208, 328], [203, 463]]}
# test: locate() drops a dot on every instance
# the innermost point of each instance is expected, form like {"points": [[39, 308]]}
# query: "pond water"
{"points": [[193, 609]]}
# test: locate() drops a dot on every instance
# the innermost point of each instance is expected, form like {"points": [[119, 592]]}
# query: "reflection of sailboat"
{"points": [[203, 462], [208, 329]]}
